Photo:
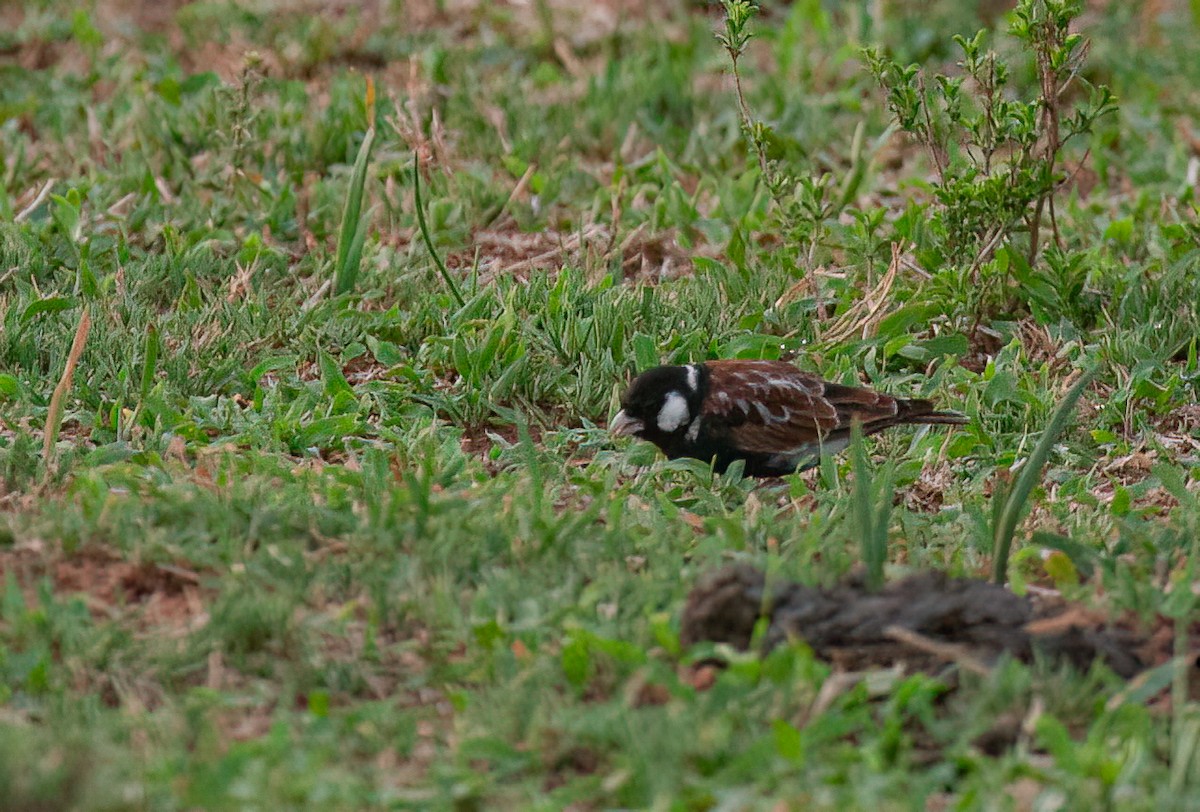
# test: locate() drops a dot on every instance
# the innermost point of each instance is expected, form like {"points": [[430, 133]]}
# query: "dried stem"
{"points": [[54, 414]]}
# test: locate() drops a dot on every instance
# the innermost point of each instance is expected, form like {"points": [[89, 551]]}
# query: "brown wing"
{"points": [[773, 407]]}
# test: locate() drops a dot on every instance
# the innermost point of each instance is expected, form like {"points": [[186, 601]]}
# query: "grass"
{"points": [[377, 551]]}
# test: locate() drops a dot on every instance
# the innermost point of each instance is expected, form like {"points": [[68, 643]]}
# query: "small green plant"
{"points": [[998, 160], [804, 202], [735, 39], [1010, 499], [150, 349]]}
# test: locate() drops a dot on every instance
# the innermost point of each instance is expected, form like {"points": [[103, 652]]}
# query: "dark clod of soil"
{"points": [[923, 621]]}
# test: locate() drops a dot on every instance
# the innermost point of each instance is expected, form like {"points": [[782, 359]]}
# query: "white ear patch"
{"points": [[674, 412]]}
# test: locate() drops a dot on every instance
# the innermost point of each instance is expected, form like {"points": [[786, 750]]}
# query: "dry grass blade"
{"points": [[1149, 684], [863, 318], [54, 415], [38, 200], [841, 682], [950, 652], [802, 288]]}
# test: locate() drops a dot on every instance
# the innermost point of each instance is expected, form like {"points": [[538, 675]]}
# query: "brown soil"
{"points": [[158, 595]]}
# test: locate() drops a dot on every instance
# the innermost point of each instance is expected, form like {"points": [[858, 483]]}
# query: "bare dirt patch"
{"points": [[1184, 421], [928, 493], [163, 595]]}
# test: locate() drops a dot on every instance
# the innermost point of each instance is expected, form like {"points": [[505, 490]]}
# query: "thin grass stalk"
{"points": [[437, 260], [149, 363], [1016, 497]]}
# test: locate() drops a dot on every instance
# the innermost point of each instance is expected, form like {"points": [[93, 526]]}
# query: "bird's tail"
{"points": [[922, 412]]}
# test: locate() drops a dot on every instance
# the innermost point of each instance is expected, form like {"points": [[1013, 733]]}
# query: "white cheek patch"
{"points": [[674, 412]]}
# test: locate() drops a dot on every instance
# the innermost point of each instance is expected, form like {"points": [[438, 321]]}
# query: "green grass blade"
{"points": [[871, 537], [853, 179], [1017, 498], [354, 227], [149, 362]]}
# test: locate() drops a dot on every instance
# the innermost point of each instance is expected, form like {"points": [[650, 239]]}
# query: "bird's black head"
{"points": [[661, 402]]}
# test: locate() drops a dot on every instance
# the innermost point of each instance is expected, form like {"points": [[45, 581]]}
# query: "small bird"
{"points": [[770, 414]]}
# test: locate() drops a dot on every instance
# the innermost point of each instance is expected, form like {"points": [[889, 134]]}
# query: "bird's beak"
{"points": [[624, 426]]}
